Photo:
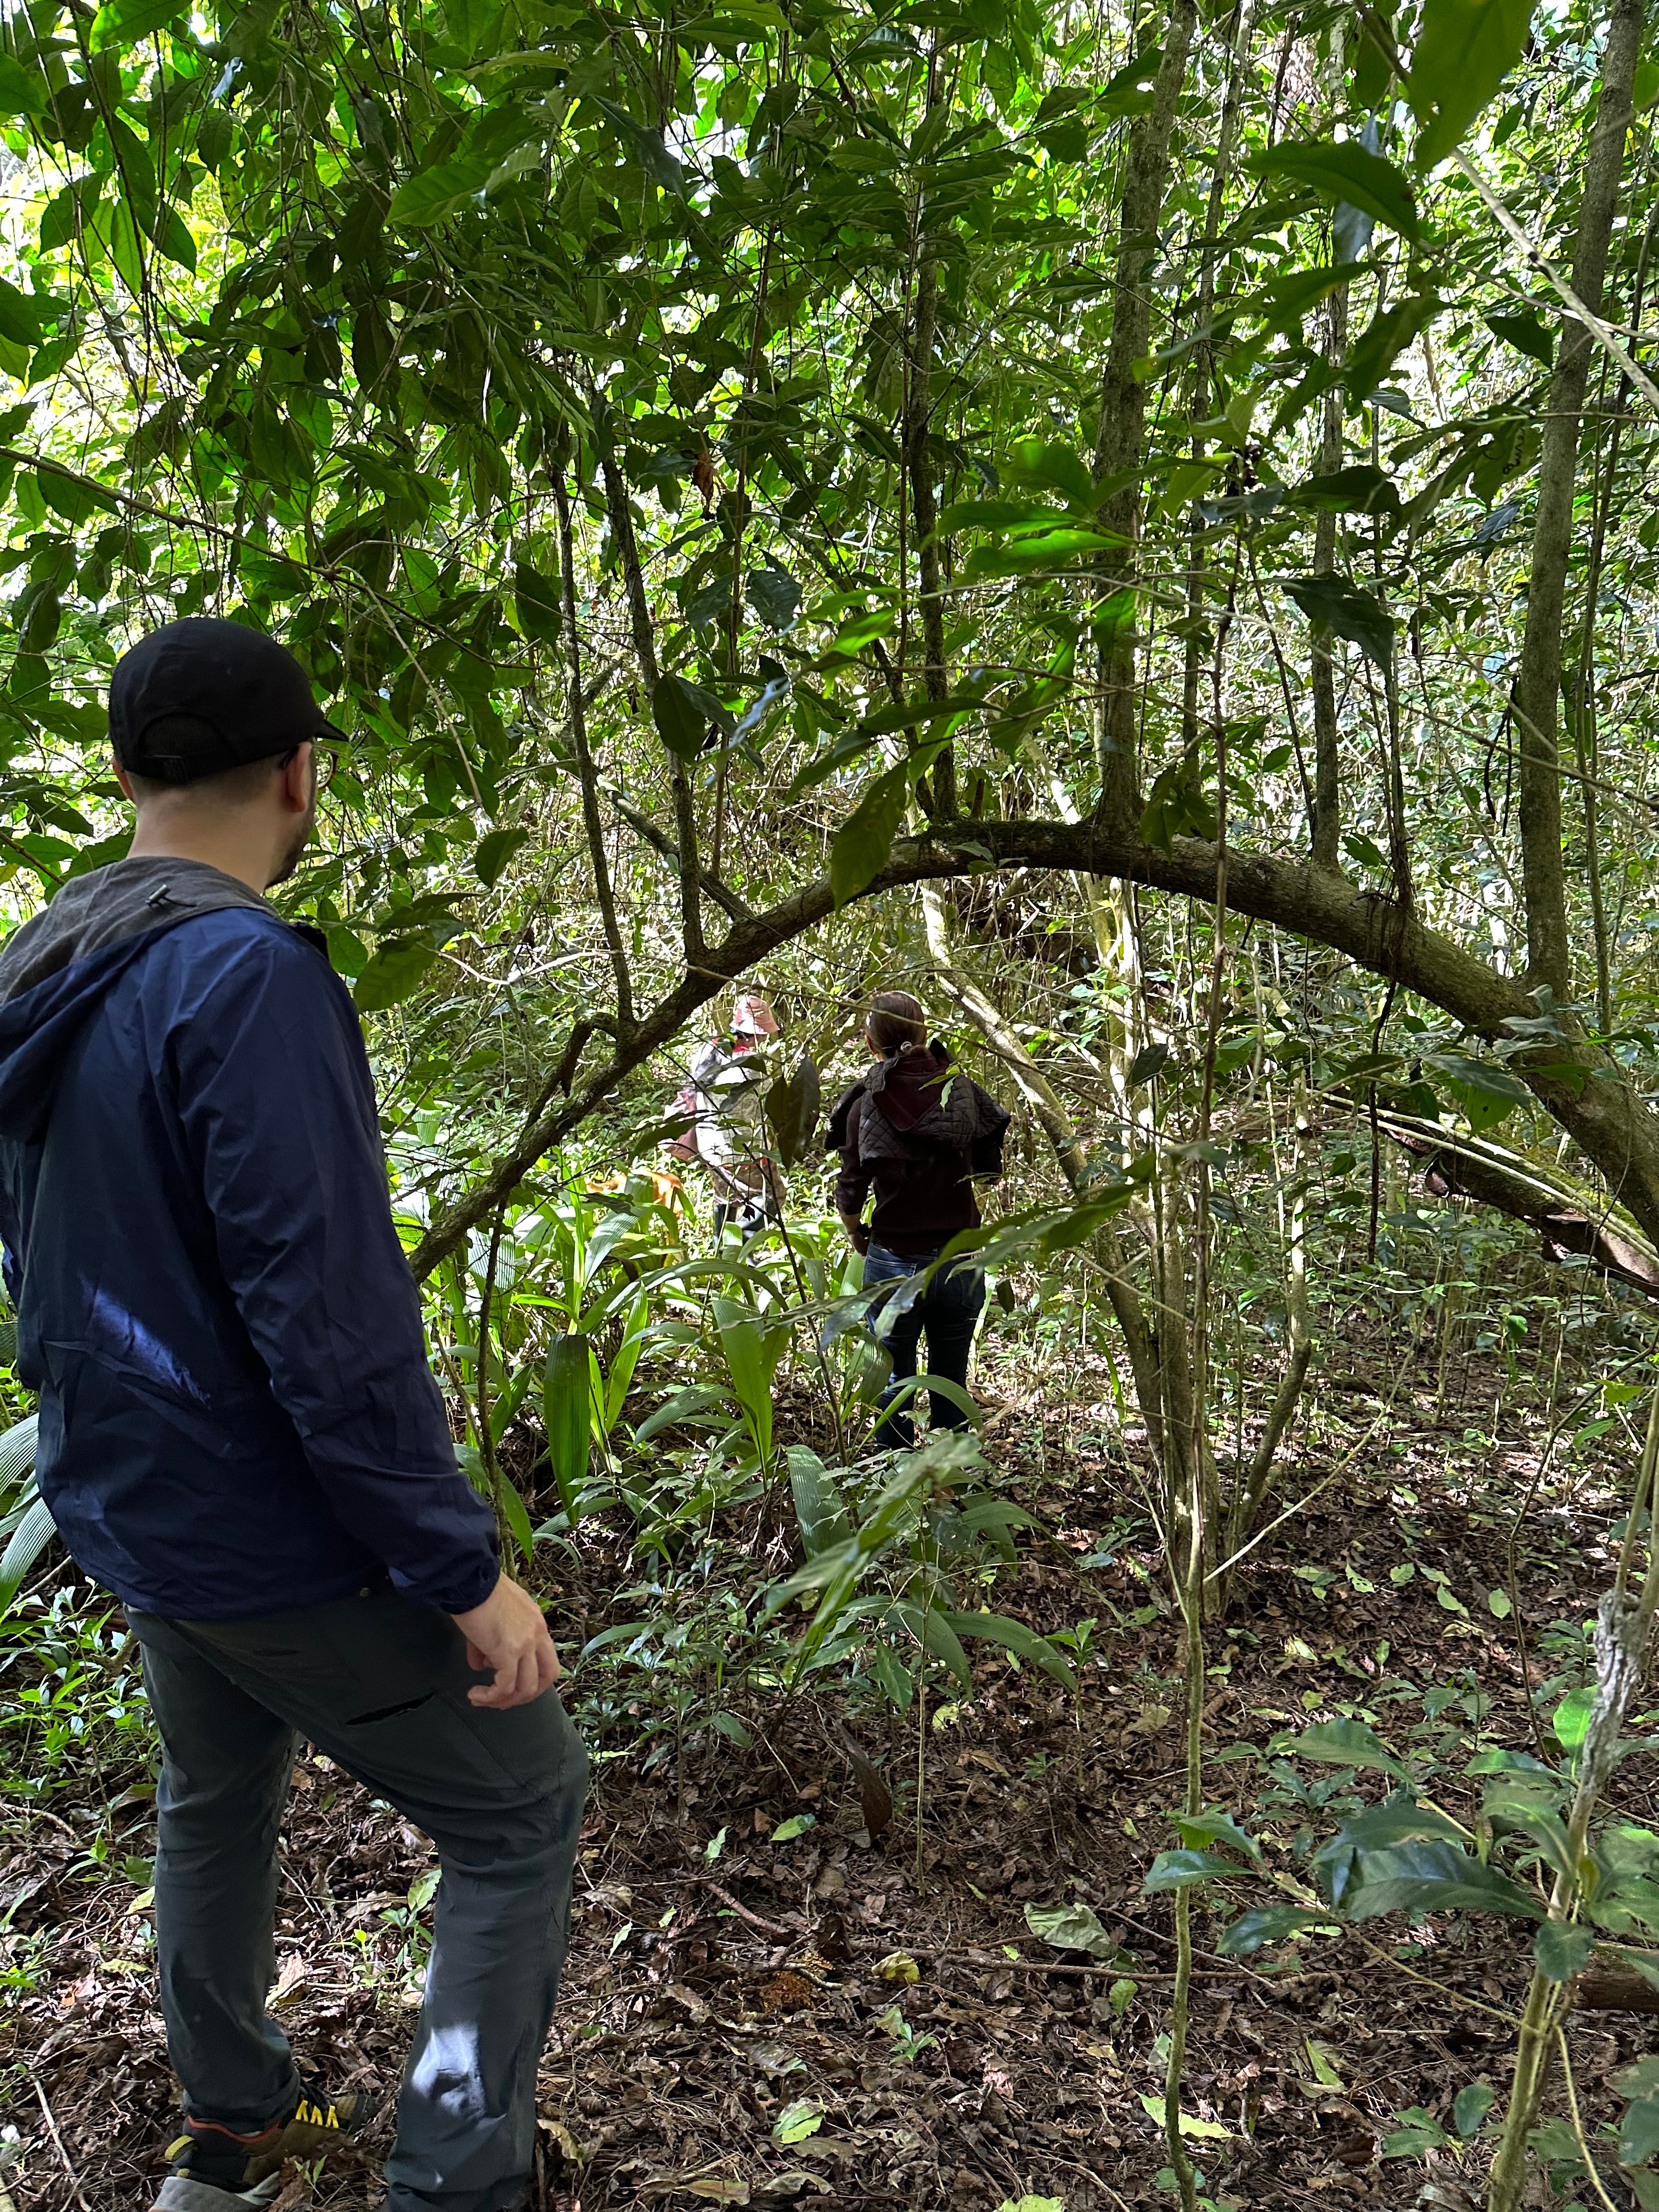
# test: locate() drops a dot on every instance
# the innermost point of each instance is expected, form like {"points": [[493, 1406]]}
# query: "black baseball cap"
{"points": [[198, 696]]}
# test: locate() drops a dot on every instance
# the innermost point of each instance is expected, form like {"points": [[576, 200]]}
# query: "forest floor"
{"points": [[729, 1962]]}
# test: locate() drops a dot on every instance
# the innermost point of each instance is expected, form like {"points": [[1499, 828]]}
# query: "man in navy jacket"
{"points": [[241, 1436]]}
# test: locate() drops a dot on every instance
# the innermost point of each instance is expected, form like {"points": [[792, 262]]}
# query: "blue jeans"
{"points": [[949, 1310], [380, 1684]]}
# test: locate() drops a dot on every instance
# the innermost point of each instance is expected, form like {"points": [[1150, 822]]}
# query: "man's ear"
{"points": [[124, 780], [296, 779]]}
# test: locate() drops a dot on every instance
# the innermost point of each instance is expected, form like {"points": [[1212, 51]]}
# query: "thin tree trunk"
{"points": [[1327, 797], [578, 713], [1537, 691], [1123, 414], [645, 648]]}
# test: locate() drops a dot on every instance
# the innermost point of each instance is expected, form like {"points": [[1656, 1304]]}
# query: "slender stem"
{"points": [[578, 712]]}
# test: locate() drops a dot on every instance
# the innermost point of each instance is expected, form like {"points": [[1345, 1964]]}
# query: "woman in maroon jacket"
{"points": [[922, 1135]]}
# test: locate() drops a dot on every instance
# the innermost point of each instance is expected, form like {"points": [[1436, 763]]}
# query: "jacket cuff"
{"points": [[456, 1589]]}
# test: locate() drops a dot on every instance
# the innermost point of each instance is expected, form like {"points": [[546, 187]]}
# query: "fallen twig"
{"points": [[57, 2144]]}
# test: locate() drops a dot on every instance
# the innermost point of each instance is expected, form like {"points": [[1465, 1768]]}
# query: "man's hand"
{"points": [[507, 1633], [857, 1235]]}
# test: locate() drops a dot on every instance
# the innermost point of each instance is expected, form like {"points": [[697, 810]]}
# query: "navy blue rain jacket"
{"points": [[236, 1412]]}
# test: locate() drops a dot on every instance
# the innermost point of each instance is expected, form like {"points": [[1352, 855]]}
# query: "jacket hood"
{"points": [[914, 1101], [56, 970], [913, 1090]]}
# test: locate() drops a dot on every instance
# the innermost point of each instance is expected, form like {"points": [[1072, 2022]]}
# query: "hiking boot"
{"points": [[213, 2168]]}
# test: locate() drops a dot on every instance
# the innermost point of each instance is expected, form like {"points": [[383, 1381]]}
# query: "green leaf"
{"points": [[1390, 330], [123, 23], [1180, 1870], [1572, 1719], [796, 1824], [20, 316], [793, 1106], [1178, 805], [1433, 1877], [1333, 603], [1470, 2107], [1344, 172], [1070, 1927], [1463, 52], [1527, 333], [430, 195], [820, 1510], [1484, 1092], [1344, 1743], [1014, 1635], [172, 237], [1638, 2132], [864, 839], [646, 147], [1055, 466], [22, 92], [1561, 1949], [678, 713], [1423, 2133], [538, 602], [1361, 490], [1203, 2131], [774, 594], [396, 969], [796, 2122], [1216, 1825], [496, 848], [567, 1413], [1270, 1923]]}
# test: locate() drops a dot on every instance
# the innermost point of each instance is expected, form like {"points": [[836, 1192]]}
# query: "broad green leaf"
{"points": [[796, 2122], [864, 839], [567, 1413], [1471, 2105], [496, 848], [1200, 2131], [1433, 1877], [20, 316], [1344, 1743], [1638, 2132], [396, 969], [1361, 489], [1484, 1092], [22, 92], [171, 236], [431, 194], [1390, 330], [681, 722], [820, 1510], [1344, 172], [1463, 52], [793, 1102], [1562, 1949], [774, 594], [1180, 1870], [123, 23], [538, 602], [1272, 1923], [1215, 1825], [1014, 1635], [1335, 604], [796, 1824], [1572, 1719], [1527, 333]]}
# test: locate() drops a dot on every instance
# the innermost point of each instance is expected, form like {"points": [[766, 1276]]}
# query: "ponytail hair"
{"points": [[896, 1023]]}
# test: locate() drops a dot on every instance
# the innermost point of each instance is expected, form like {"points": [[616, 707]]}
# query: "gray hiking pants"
{"points": [[380, 1685]]}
